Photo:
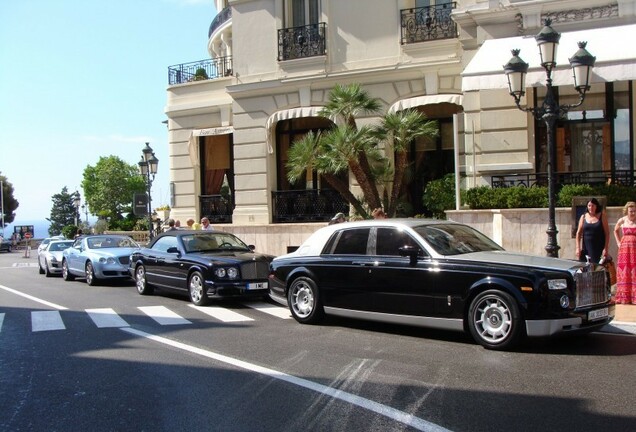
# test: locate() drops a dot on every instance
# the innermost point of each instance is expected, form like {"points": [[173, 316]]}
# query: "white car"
{"points": [[50, 257], [46, 242]]}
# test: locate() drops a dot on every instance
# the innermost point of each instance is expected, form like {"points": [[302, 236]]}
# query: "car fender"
{"points": [[299, 272], [496, 283]]}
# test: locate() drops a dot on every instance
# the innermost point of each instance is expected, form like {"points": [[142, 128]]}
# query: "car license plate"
{"points": [[597, 314], [257, 286]]}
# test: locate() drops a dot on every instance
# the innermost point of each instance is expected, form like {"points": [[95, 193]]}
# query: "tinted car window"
{"points": [[390, 240], [164, 243], [456, 239], [351, 242]]}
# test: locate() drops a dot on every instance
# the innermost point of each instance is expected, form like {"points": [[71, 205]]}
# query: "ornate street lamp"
{"points": [[516, 69], [148, 168], [85, 211], [76, 203]]}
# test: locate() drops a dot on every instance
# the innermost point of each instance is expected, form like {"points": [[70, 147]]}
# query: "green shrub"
{"points": [[439, 195], [526, 197], [567, 192]]}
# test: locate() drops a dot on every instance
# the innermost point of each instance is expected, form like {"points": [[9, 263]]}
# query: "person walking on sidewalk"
{"points": [[625, 234]]}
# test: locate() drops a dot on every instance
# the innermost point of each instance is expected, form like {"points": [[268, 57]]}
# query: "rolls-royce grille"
{"points": [[255, 270], [591, 288]]}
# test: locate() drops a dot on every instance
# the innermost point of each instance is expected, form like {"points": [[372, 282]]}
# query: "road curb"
{"points": [[620, 327]]}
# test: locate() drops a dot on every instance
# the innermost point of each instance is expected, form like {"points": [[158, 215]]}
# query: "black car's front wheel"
{"points": [[304, 301], [196, 289], [141, 281], [494, 320]]}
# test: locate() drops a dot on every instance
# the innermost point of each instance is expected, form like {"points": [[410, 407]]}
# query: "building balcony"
{"points": [[302, 42], [592, 178], [427, 23], [307, 205], [200, 70], [221, 18]]}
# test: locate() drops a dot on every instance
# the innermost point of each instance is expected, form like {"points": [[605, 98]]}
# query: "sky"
{"points": [[82, 79]]}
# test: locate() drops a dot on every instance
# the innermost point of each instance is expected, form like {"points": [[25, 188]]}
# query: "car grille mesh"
{"points": [[590, 288], [255, 270], [124, 260]]}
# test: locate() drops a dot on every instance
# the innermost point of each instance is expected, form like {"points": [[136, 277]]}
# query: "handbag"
{"points": [[610, 267]]}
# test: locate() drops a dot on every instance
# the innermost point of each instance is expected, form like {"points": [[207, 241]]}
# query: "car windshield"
{"points": [[213, 242], [451, 239], [60, 246], [110, 242]]}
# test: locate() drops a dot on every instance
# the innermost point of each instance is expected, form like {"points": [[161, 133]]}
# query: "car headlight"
{"points": [[53, 259], [109, 260], [230, 272], [557, 284]]}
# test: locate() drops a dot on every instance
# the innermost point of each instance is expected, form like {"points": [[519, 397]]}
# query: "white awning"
{"points": [[615, 58], [193, 148], [286, 115], [426, 100]]}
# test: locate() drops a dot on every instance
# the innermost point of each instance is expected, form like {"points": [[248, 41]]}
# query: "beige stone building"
{"points": [[233, 117]]}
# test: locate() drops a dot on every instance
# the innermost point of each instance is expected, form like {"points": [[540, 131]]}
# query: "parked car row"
{"points": [[429, 273]]}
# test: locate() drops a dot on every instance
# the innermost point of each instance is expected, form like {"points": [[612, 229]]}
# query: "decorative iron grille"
{"points": [[217, 208], [200, 70], [307, 205], [428, 23], [301, 42], [620, 177]]}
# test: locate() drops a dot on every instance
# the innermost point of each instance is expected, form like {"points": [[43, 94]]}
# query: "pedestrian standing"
{"points": [[592, 235], [625, 234], [205, 224]]}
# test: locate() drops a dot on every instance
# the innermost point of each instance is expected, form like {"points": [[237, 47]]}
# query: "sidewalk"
{"points": [[624, 320]]}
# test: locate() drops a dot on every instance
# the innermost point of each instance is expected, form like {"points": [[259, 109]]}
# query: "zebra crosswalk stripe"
{"points": [[222, 314], [46, 320], [106, 317], [163, 315], [276, 311]]}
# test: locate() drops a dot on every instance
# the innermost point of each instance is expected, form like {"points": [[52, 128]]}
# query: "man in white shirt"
{"points": [[205, 224]]}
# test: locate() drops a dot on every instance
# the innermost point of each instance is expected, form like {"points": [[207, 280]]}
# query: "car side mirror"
{"points": [[411, 252], [173, 250], [252, 247]]}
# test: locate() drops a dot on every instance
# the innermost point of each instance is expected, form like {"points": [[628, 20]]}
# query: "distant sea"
{"points": [[40, 227]]}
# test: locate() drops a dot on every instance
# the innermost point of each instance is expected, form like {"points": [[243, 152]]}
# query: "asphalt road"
{"points": [[74, 357]]}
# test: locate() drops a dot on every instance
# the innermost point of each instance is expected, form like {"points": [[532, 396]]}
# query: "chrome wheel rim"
{"points": [[64, 269], [89, 273], [493, 319], [140, 278], [196, 289], [302, 299]]}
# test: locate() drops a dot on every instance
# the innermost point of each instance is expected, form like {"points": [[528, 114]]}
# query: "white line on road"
{"points": [[46, 320], [30, 297], [222, 314], [106, 317], [387, 411], [163, 315], [277, 311]]}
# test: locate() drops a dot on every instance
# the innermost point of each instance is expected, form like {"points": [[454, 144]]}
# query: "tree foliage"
{"points": [[9, 203], [109, 187], [63, 211], [349, 148]]}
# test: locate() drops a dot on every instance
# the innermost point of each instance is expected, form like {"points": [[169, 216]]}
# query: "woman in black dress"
{"points": [[592, 235]]}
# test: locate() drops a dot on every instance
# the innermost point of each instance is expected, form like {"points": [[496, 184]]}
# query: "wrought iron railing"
{"points": [[200, 70], [217, 208], [221, 18], [301, 42], [619, 177], [307, 205], [428, 23]]}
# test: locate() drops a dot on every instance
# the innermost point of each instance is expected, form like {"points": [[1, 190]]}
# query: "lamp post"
{"points": [[76, 203], [85, 211], [582, 63], [148, 169]]}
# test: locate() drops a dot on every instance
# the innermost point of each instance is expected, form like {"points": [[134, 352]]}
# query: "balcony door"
{"points": [[301, 12]]}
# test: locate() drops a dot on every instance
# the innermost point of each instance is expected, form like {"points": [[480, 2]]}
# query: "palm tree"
{"points": [[399, 129]]}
